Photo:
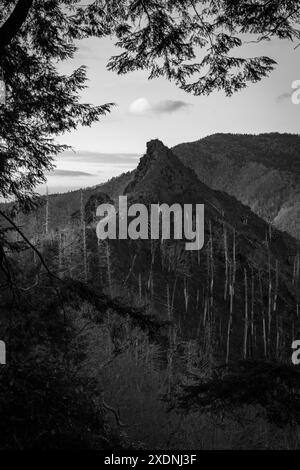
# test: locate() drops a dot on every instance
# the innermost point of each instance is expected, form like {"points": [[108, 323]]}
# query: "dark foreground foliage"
{"points": [[45, 402], [42, 406], [274, 388]]}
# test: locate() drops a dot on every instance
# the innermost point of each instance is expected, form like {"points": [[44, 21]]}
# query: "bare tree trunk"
{"points": [[263, 317], [246, 315], [84, 244], [108, 266], [168, 303], [296, 269], [205, 312], [150, 284], [173, 296], [60, 253], [226, 262], [211, 266], [47, 212], [275, 309], [140, 287], [36, 242], [232, 275], [186, 295], [170, 370], [252, 314], [269, 302]]}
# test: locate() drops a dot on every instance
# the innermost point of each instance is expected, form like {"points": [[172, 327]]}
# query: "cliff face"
{"points": [[261, 171], [161, 176]]}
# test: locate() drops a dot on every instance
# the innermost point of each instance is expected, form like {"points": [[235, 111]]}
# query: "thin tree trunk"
{"points": [[263, 317], [47, 212], [226, 262], [60, 253], [275, 313], [140, 287], [252, 314], [269, 302], [186, 295], [108, 266], [232, 275], [211, 266], [246, 316], [168, 302], [84, 244]]}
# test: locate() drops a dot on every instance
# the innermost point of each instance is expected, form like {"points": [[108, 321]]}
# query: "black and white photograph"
{"points": [[150, 228]]}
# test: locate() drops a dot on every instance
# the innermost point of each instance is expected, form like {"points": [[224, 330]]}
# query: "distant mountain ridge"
{"points": [[262, 171], [274, 150]]}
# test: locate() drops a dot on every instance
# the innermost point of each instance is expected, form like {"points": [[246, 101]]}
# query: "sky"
{"points": [[148, 109]]}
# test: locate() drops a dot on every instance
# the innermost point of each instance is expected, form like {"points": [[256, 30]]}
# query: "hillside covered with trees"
{"points": [[261, 171]]}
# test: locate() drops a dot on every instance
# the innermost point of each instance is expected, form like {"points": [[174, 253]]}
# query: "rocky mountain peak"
{"points": [[155, 146], [160, 172]]}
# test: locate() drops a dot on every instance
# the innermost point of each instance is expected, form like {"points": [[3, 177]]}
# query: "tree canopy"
{"points": [[196, 43], [41, 102]]}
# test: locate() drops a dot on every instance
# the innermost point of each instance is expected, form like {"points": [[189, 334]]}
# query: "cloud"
{"points": [[142, 107], [283, 97], [170, 106], [69, 173], [86, 157]]}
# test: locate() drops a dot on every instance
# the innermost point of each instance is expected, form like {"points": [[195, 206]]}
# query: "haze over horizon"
{"points": [[154, 109]]}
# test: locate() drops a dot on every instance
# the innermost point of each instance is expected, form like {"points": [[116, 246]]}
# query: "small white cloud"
{"points": [[142, 107]]}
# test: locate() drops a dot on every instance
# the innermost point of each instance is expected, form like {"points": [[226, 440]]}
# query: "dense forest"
{"points": [[262, 171]]}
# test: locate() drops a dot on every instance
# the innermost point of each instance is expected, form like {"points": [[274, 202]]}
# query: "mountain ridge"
{"points": [[250, 182], [262, 171]]}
